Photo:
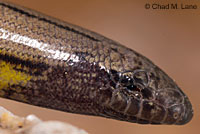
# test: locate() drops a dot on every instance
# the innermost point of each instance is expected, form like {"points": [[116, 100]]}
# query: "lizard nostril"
{"points": [[175, 115]]}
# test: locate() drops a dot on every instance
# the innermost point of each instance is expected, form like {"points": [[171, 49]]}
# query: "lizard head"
{"points": [[145, 94]]}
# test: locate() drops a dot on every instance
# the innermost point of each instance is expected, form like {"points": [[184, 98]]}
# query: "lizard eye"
{"points": [[114, 75]]}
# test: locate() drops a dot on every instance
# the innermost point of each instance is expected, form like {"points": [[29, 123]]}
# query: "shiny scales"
{"points": [[57, 65]]}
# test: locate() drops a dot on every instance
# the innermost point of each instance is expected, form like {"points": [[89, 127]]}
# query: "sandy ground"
{"points": [[170, 38]]}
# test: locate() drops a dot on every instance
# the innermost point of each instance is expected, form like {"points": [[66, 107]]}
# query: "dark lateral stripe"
{"points": [[48, 21], [29, 64]]}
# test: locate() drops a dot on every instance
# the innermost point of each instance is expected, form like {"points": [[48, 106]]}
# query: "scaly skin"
{"points": [[54, 64]]}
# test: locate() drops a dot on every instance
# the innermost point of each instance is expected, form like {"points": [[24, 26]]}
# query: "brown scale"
{"points": [[96, 76]]}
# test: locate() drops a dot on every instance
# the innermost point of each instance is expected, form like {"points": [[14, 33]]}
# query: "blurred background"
{"points": [[170, 38]]}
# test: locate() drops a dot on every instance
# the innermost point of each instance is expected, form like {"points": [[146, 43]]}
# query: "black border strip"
{"points": [[29, 64], [48, 21]]}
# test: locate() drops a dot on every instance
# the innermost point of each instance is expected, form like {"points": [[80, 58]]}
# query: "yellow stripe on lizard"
{"points": [[10, 76]]}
